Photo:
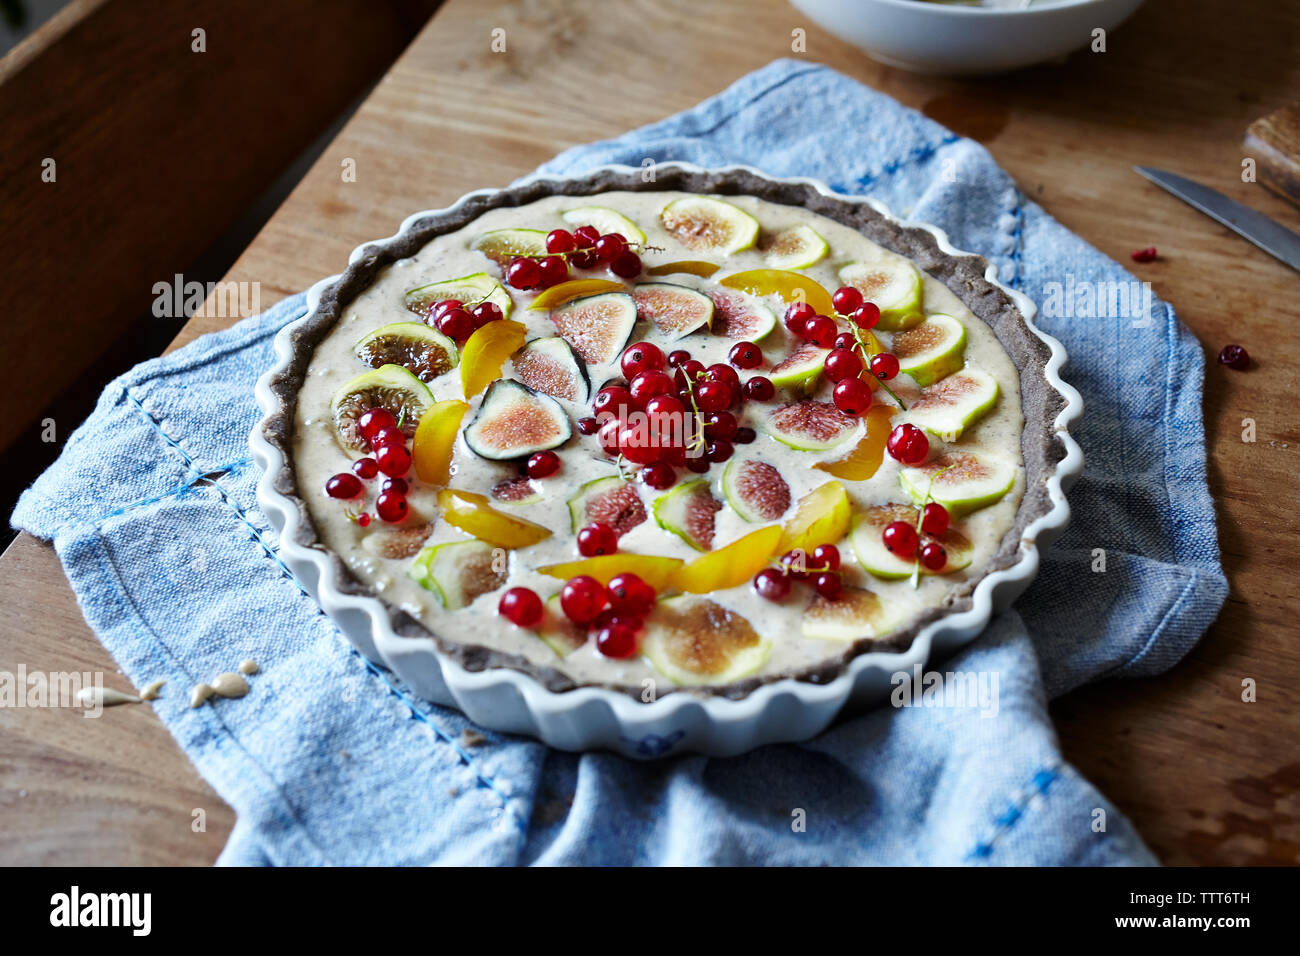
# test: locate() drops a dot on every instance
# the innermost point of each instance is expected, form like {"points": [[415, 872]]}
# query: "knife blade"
{"points": [[1251, 225]]}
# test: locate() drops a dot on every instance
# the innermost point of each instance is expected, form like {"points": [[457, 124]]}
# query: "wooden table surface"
{"points": [[1206, 777]]}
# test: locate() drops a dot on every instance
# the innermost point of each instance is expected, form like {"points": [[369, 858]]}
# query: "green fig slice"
{"points": [[516, 491], [560, 634], [424, 352], [952, 404], [399, 542], [706, 225], [802, 368], [853, 614], [892, 283], [932, 350], [795, 248], [389, 386], [605, 221], [502, 245], [597, 326], [551, 366], [609, 501], [737, 315], [477, 287], [755, 490], [694, 641], [962, 481], [689, 511], [867, 539], [514, 421], [674, 310], [810, 425], [459, 571]]}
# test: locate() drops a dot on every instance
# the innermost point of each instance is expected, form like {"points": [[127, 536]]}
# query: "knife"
{"points": [[1253, 226]]}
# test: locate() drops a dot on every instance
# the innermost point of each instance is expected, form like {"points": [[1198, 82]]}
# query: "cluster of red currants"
{"points": [[688, 412], [820, 569], [901, 537], [614, 612], [391, 459], [584, 248], [456, 320]]}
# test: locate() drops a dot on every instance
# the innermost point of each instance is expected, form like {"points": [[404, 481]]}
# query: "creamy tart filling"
{"points": [[807, 467]]}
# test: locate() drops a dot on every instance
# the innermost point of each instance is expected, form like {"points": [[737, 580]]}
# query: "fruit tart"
{"points": [[682, 438]]}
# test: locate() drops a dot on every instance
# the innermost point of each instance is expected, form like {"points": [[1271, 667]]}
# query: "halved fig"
{"points": [[552, 367], [689, 511], [931, 350], [851, 615], [795, 248], [869, 545], [755, 490], [597, 326], [740, 316], [704, 224], [476, 287], [514, 421], [389, 386], [424, 352], [516, 491], [502, 245], [810, 425], [674, 310], [801, 368], [962, 481], [892, 283], [459, 571], [950, 405], [560, 634], [396, 543], [609, 501], [605, 221], [693, 641]]}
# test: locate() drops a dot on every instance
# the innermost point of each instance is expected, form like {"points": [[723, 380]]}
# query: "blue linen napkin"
{"points": [[329, 760]]}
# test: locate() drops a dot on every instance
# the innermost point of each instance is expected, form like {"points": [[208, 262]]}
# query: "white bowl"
{"points": [[590, 718], [955, 40]]}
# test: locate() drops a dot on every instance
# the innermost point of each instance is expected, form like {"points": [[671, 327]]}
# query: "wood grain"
{"points": [[1205, 777]]}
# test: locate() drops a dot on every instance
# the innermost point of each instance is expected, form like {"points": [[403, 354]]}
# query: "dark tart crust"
{"points": [[1041, 446]]}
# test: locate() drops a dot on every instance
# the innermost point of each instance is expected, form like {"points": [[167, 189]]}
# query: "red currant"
{"points": [[900, 538], [846, 341], [609, 247], [866, 316], [634, 445], [456, 324], [759, 388], [582, 598], [933, 556], [365, 468], [559, 240], [484, 312], [646, 385], [677, 356], [629, 594], [745, 355], [524, 273], [827, 584], [521, 607], [617, 641], [443, 306], [551, 271], [744, 435], [613, 400], [821, 331], [688, 371], [719, 451], [363, 519], [392, 507], [841, 364], [396, 486], [343, 485], [852, 396], [908, 444], [884, 366], [846, 299], [698, 464], [372, 420], [1235, 357], [393, 460], [586, 235], [796, 563], [627, 265], [797, 316], [588, 426], [934, 519], [543, 464], [724, 374], [608, 436], [386, 437], [772, 584], [720, 425], [713, 396], [659, 475], [597, 539], [641, 357], [826, 556]]}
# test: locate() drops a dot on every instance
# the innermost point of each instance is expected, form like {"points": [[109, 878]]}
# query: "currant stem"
{"points": [[859, 338]]}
